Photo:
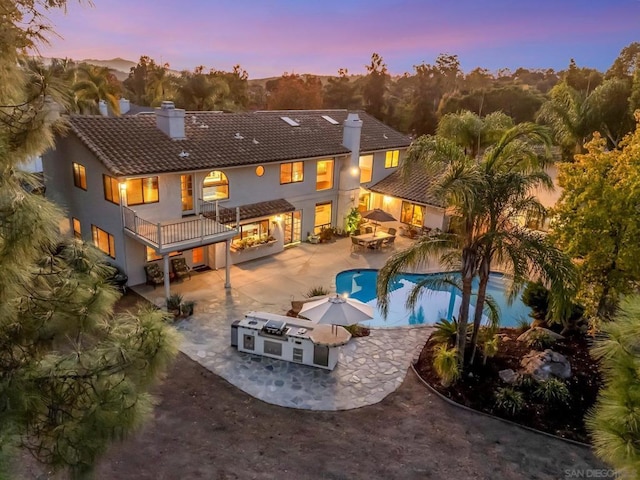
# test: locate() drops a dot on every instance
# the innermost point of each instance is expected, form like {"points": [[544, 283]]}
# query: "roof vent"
{"points": [[384, 135], [332, 121], [290, 121], [202, 125], [194, 119], [183, 154], [255, 142], [237, 136]]}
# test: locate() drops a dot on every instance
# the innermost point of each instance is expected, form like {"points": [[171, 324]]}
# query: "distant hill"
{"points": [[119, 64]]}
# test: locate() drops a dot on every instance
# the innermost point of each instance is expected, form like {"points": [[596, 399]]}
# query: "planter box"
{"points": [[252, 247]]}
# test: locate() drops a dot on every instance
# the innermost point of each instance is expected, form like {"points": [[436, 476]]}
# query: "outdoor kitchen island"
{"points": [[288, 338]]}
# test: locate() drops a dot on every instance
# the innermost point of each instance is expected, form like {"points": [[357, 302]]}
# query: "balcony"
{"points": [[180, 234]]}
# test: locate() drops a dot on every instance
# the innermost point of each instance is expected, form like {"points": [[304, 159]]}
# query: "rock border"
{"points": [[504, 420]]}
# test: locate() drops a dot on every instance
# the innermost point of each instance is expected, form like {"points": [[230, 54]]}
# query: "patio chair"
{"points": [[389, 242], [356, 232], [180, 268], [155, 276], [392, 231], [377, 244], [357, 244], [368, 229]]}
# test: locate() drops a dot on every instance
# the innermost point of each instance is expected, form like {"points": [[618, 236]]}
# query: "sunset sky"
{"points": [[270, 37]]}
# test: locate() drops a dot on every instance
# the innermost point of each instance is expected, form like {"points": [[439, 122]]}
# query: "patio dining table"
{"points": [[371, 240]]}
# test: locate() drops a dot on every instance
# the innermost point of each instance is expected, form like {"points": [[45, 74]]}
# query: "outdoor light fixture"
{"points": [[386, 199], [355, 171]]}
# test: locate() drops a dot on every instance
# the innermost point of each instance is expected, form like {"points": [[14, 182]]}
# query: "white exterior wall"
{"points": [[90, 206]]}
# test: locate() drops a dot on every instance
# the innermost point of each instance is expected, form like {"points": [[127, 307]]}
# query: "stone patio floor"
{"points": [[369, 368]]}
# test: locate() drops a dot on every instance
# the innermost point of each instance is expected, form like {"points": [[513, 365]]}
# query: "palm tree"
{"points": [[483, 194], [94, 84]]}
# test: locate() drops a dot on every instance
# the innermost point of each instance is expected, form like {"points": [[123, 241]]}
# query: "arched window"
{"points": [[215, 186]]}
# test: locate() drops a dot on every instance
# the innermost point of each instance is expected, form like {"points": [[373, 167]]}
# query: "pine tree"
{"points": [[73, 376]]}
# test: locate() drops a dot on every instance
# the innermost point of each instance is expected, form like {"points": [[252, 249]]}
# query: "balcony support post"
{"points": [[227, 264], [167, 275]]}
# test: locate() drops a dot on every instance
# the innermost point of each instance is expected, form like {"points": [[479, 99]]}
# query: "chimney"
{"points": [[170, 120], [102, 106], [124, 106], [351, 136]]}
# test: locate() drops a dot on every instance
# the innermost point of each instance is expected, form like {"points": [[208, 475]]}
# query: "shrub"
{"points": [[326, 234], [523, 325], [445, 363], [358, 331], [174, 301], [445, 331], [509, 401], [490, 348], [187, 307], [353, 220], [527, 383], [536, 297], [554, 391], [316, 292], [539, 340]]}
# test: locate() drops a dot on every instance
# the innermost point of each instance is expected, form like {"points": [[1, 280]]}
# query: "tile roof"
{"points": [[253, 210], [415, 188], [133, 145]]}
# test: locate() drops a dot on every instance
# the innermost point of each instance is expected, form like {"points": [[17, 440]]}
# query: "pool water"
{"points": [[432, 305]]}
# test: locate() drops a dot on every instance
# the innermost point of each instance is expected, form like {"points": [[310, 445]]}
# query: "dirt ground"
{"points": [[204, 428]]}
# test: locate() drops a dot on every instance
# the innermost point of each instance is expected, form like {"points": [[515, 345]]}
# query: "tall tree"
{"points": [[597, 221], [375, 87], [627, 62], [341, 92], [484, 192], [614, 423], [73, 376], [295, 92], [94, 84], [202, 91]]}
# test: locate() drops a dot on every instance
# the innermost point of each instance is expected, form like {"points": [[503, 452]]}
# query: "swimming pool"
{"points": [[432, 305]]}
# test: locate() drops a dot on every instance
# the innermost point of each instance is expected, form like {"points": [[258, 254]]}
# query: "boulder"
{"points": [[544, 365], [509, 376], [525, 336]]}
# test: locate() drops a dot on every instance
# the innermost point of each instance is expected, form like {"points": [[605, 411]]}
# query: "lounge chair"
{"points": [[155, 276], [180, 268]]}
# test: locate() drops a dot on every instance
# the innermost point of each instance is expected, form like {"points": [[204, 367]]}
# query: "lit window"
{"points": [[324, 178], [142, 190], [104, 241], [215, 186], [79, 176], [291, 172], [259, 170], [366, 168], [152, 255], [323, 217], [412, 214], [197, 256], [111, 189], [186, 192], [77, 232], [391, 158]]}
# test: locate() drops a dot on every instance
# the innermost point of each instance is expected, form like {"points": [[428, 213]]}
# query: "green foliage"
{"points": [[553, 392], [509, 401], [445, 331], [186, 308], [353, 220], [316, 292], [614, 424], [593, 223], [174, 301], [445, 363], [357, 330], [74, 376], [539, 340], [536, 297], [490, 347], [375, 87]]}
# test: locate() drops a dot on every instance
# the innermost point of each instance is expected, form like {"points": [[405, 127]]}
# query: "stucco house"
{"points": [[224, 188]]}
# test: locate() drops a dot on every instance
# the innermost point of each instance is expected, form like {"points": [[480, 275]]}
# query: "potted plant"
{"points": [[186, 309], [352, 221], [174, 302], [313, 238]]}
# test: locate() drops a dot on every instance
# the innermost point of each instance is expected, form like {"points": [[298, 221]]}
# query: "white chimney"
{"points": [[124, 106], [170, 120], [351, 137], [102, 106]]}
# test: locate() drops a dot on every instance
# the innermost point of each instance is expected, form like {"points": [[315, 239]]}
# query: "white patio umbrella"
{"points": [[337, 310]]}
